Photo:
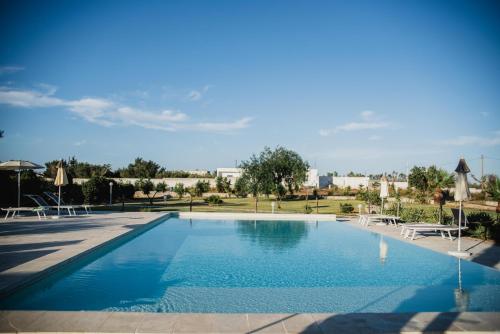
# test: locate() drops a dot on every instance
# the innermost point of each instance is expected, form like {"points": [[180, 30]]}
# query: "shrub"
{"points": [[481, 225], [72, 194], [214, 200], [241, 187], [96, 190], [434, 216], [411, 215], [201, 187], [126, 191], [179, 190], [346, 208]]}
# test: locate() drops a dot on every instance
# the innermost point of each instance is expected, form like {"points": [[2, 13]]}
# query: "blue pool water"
{"points": [[264, 266]]}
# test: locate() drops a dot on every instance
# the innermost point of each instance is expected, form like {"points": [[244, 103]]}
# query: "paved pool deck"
{"points": [[30, 248], [317, 323]]}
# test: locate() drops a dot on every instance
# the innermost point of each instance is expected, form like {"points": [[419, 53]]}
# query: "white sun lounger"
{"points": [[40, 211], [53, 197], [365, 220], [43, 204], [431, 228]]}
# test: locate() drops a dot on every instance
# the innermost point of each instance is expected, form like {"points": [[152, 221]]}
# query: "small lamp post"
{"points": [[272, 206], [110, 193]]}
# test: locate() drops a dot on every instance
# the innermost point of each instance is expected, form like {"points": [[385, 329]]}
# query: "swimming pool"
{"points": [[184, 265]]}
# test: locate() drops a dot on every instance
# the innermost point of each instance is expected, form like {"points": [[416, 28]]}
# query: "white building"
{"points": [[198, 172], [343, 182], [231, 174], [312, 178]]}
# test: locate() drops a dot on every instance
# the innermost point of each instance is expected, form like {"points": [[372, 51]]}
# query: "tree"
{"points": [[96, 190], [160, 187], [141, 169], [219, 184], [316, 194], [201, 187], [437, 180], [286, 168], [77, 169], [241, 187], [493, 190], [125, 191], [256, 177], [418, 178], [180, 190], [146, 186], [192, 193]]}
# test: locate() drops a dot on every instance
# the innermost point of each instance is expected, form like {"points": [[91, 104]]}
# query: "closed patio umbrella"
{"points": [[18, 165], [462, 193], [384, 190], [61, 180]]}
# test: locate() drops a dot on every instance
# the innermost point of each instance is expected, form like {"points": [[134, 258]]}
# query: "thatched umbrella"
{"points": [[61, 180], [19, 165], [462, 193], [384, 191]]}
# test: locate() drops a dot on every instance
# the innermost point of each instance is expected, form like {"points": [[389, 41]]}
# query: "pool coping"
{"points": [[56, 266], [138, 322], [258, 216], [142, 322]]}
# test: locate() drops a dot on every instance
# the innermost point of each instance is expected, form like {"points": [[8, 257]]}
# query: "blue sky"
{"points": [[367, 86]]}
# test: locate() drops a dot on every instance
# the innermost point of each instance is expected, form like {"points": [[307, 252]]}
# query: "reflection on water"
{"points": [[383, 249], [461, 296], [273, 235]]}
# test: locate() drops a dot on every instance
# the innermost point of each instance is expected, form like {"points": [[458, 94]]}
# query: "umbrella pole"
{"points": [[19, 188], [59, 201], [459, 225], [382, 209]]}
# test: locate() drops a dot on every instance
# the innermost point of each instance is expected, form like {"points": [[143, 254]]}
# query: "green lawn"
{"points": [[247, 205]]}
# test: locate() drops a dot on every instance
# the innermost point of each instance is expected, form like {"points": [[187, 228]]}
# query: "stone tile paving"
{"points": [[29, 247], [123, 322]]}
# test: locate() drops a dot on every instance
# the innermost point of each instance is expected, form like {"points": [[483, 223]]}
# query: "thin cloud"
{"points": [[367, 114], [10, 69], [196, 95], [80, 143], [105, 112], [224, 126], [368, 123], [474, 141]]}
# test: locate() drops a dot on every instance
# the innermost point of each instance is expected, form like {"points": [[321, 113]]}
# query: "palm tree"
{"points": [[493, 189], [438, 180]]}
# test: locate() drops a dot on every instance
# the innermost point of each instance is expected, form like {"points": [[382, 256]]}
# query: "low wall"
{"points": [[169, 181]]}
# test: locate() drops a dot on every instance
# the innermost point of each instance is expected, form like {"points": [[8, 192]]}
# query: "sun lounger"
{"points": [[43, 204], [40, 211], [54, 198], [365, 220], [413, 229], [405, 227]]}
